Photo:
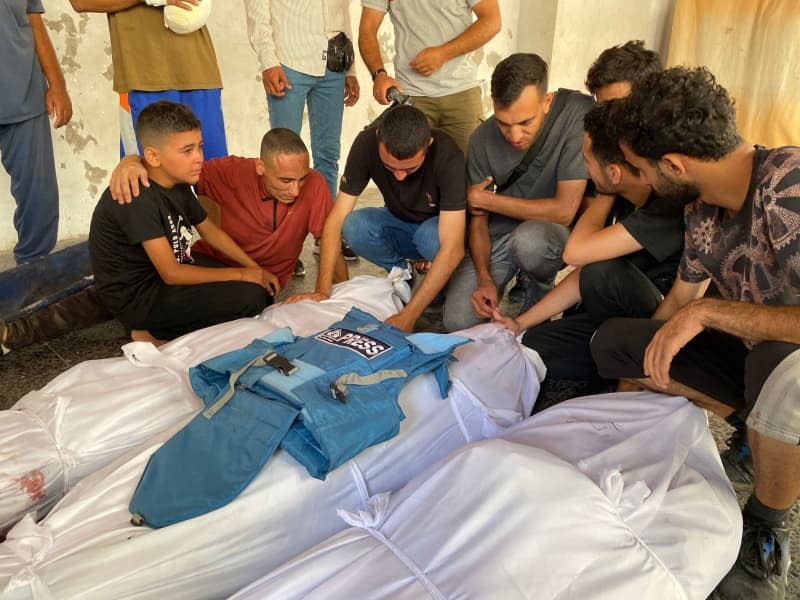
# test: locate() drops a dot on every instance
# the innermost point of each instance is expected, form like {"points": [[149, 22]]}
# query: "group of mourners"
{"points": [[645, 188]]}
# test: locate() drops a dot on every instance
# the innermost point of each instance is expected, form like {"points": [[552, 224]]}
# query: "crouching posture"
{"points": [[141, 252]]}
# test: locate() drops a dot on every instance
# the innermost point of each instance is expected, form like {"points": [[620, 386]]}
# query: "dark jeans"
{"points": [[610, 288], [715, 363]]}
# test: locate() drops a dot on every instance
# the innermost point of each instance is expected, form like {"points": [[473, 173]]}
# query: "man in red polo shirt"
{"points": [[268, 205]]}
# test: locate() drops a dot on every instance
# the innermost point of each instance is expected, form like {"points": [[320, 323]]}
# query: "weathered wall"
{"points": [[564, 31]]}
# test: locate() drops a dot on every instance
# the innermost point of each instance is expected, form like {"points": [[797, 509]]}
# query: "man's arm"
{"points": [[484, 298], [331, 263], [451, 251], [483, 29], [560, 209], [591, 241], [56, 99], [370, 50], [111, 6], [565, 295], [259, 31]]}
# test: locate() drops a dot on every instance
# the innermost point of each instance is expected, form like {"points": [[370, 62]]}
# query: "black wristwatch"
{"points": [[374, 73]]}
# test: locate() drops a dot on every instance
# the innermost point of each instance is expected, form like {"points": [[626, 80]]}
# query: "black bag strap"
{"points": [[559, 100]]}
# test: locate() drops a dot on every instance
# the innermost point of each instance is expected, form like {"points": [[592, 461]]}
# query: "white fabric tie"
{"points": [[369, 520], [30, 543]]}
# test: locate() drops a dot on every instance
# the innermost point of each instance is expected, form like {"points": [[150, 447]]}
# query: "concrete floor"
{"points": [[31, 368]]}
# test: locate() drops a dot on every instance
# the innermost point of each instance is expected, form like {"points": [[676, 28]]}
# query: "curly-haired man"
{"points": [[737, 352]]}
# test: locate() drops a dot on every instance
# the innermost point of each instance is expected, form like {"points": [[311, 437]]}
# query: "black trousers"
{"points": [[180, 309], [609, 288], [717, 364]]}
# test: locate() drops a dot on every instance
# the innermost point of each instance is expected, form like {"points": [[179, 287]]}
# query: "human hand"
{"points": [[484, 299], [402, 320], [184, 4], [381, 85], [125, 179], [509, 323], [275, 81], [313, 296], [263, 278], [352, 91], [673, 335], [428, 61], [58, 105], [479, 199]]}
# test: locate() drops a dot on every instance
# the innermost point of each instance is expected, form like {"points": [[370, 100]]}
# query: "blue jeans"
{"points": [[381, 238], [206, 106], [26, 149], [325, 98]]}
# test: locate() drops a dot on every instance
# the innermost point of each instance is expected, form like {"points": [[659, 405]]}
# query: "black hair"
{"points": [[281, 141], [629, 62], [681, 110], [516, 72], [160, 119], [404, 131], [601, 126]]}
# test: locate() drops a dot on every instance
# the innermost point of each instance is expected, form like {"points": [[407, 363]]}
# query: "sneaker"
{"points": [[347, 252], [517, 294], [299, 269], [738, 461], [761, 570]]}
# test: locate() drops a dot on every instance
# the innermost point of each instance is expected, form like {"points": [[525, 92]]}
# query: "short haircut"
{"points": [[404, 131], [516, 72], [681, 110], [600, 124], [161, 119], [629, 62], [281, 141]]}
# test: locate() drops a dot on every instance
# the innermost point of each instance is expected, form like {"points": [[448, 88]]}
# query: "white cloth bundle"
{"points": [[96, 411], [86, 548], [643, 511]]}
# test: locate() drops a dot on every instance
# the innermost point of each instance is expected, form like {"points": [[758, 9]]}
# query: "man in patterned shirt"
{"points": [[737, 352]]}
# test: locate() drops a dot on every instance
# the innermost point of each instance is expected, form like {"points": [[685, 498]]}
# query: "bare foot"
{"points": [[142, 335]]}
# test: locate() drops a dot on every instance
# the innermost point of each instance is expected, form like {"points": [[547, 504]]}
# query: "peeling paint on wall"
{"points": [[74, 138]]}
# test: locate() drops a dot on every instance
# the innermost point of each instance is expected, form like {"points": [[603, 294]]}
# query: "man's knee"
{"points": [[426, 238], [358, 224], [618, 347], [616, 287], [536, 248]]}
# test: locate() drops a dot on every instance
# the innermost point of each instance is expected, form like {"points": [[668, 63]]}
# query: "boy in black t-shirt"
{"points": [[141, 252]]}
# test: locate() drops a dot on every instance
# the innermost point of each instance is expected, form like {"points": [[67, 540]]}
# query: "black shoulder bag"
{"points": [[559, 101]]}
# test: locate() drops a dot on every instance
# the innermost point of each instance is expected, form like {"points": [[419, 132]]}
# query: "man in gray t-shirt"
{"points": [[521, 226], [433, 40], [31, 86]]}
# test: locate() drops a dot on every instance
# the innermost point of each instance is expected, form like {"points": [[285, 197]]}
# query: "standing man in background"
{"points": [[297, 44], [152, 62], [31, 88], [431, 63]]}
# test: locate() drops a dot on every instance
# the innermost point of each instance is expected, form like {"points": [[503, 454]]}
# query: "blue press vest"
{"points": [[322, 398]]}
